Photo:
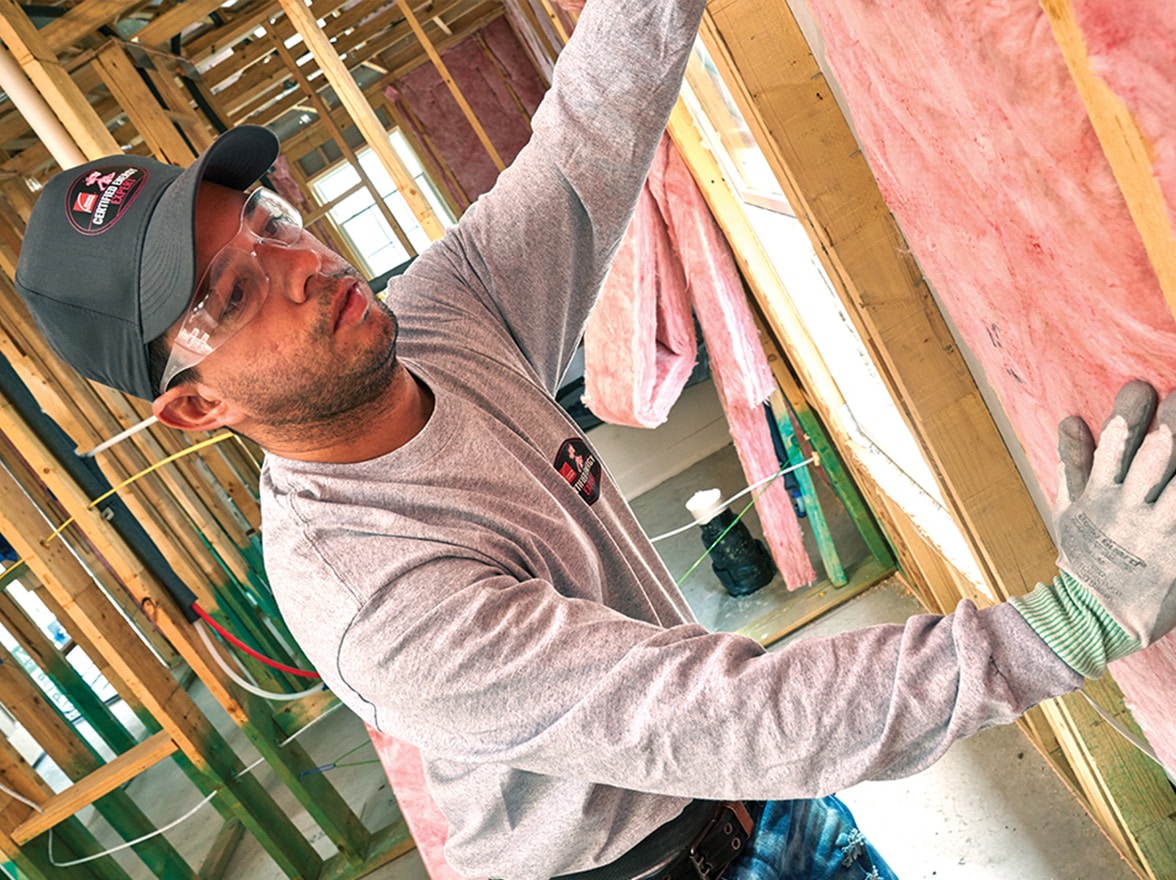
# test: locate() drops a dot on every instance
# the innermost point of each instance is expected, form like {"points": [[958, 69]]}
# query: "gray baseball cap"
{"points": [[108, 261]]}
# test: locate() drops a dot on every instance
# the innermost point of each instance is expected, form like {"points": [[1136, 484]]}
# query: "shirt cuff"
{"points": [[1075, 625]]}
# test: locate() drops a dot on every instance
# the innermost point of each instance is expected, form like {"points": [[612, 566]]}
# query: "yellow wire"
{"points": [[196, 447], [22, 561]]}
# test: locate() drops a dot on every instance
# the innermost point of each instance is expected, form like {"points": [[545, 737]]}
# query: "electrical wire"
{"points": [[232, 639], [128, 843], [195, 447], [253, 689], [785, 470], [24, 800], [182, 818], [118, 438], [763, 487]]}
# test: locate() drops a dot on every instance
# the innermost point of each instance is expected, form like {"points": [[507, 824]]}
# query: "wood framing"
{"points": [[41, 66], [446, 78], [1129, 152], [363, 114], [781, 92]]}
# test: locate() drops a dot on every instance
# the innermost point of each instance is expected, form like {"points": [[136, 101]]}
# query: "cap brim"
{"points": [[236, 159]]}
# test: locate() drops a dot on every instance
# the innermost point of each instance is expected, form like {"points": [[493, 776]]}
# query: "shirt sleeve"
{"points": [[514, 674], [538, 246]]}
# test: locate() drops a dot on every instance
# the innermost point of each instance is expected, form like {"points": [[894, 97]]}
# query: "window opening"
{"points": [[358, 219]]}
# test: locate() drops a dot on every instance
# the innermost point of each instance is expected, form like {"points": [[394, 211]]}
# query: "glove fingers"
{"points": [[1135, 403], [1166, 416], [1076, 454], [1149, 470]]}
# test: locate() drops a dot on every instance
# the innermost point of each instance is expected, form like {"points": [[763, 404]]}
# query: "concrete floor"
{"points": [[991, 808]]}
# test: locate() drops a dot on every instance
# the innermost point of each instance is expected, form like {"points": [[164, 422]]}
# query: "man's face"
{"points": [[321, 345]]}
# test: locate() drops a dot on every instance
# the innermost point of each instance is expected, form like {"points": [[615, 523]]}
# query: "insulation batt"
{"points": [[983, 151], [639, 341], [639, 345], [503, 107]]}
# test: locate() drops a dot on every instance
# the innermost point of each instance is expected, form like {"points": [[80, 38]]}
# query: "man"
{"points": [[447, 549]]}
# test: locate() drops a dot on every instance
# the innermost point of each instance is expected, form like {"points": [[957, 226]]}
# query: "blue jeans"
{"points": [[807, 840]]}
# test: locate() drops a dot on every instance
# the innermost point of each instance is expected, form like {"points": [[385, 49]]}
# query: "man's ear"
{"points": [[185, 408]]}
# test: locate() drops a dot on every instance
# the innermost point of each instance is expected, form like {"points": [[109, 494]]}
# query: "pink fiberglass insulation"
{"points": [[741, 372], [406, 774], [1135, 58], [634, 376], [635, 345], [503, 107], [983, 151]]}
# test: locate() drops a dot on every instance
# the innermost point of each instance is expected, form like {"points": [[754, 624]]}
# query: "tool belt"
{"points": [[698, 845]]}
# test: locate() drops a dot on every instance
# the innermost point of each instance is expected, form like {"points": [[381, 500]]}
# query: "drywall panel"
{"points": [[983, 150]]}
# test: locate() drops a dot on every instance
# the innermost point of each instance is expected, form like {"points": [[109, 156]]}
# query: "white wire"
{"points": [[129, 843], [253, 689], [1128, 735], [310, 723], [736, 497], [118, 438], [182, 818], [24, 800]]}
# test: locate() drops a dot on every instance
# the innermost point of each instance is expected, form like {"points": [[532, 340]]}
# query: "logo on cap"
{"points": [[98, 200]]}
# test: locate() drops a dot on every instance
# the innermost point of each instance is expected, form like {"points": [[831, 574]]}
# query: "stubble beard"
{"points": [[339, 389]]}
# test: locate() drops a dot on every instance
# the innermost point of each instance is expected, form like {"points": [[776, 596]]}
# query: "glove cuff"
{"points": [[1075, 625]]}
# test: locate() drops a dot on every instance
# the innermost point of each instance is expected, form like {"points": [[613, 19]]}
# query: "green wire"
{"points": [[349, 752], [734, 523]]}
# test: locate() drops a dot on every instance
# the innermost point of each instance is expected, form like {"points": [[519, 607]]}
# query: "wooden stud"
{"points": [[560, 31], [162, 28], [163, 70], [447, 78], [324, 114], [150, 119], [59, 671], [237, 29], [361, 111], [808, 603], [1130, 153], [221, 852], [40, 64], [82, 20], [834, 572]]}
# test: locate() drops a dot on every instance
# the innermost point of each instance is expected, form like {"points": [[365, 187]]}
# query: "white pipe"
{"points": [[36, 112], [118, 438]]}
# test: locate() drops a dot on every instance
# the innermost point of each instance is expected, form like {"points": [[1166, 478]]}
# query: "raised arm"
{"points": [[538, 246]]}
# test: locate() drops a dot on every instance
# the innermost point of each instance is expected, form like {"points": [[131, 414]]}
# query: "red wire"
{"points": [[229, 637]]}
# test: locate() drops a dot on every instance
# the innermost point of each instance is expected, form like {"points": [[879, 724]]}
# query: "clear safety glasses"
{"points": [[234, 286]]}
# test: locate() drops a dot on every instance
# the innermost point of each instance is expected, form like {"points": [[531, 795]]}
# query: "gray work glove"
{"points": [[1115, 520]]}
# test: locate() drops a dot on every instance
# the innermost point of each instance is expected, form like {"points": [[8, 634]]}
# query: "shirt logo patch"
{"points": [[579, 465], [98, 200]]}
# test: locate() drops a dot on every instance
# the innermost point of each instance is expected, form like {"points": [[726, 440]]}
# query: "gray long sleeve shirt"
{"points": [[485, 593]]}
